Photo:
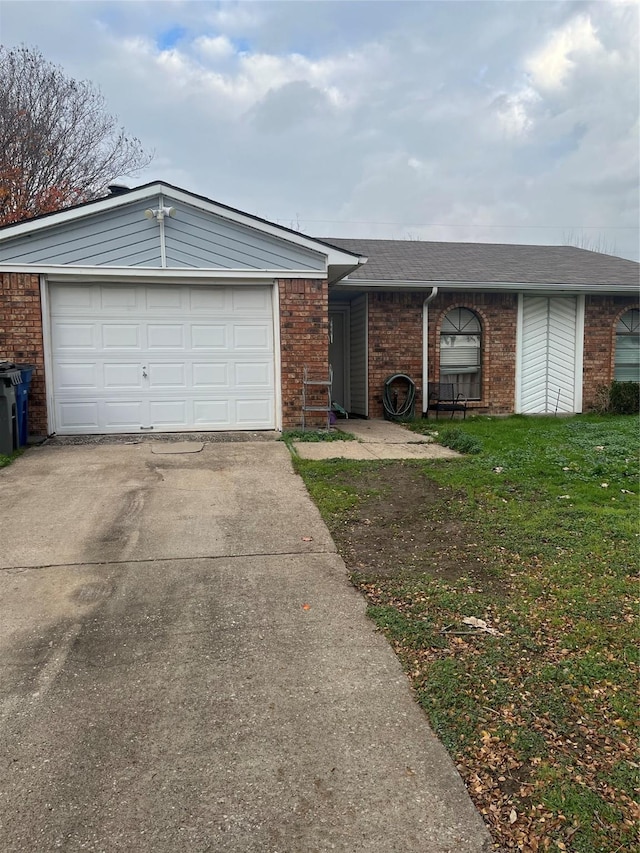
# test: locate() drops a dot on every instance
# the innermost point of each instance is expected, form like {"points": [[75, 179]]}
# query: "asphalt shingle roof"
{"points": [[413, 260]]}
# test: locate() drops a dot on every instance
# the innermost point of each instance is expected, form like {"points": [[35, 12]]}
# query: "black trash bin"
{"points": [[10, 378]]}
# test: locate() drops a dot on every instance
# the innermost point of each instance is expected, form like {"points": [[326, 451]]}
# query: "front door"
{"points": [[338, 342]]}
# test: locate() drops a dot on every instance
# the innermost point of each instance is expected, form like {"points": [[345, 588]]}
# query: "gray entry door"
{"points": [[338, 340]]}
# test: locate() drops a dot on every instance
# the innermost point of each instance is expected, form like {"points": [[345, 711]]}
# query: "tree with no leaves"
{"points": [[58, 144]]}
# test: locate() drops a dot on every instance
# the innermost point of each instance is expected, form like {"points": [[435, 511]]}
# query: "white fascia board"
{"points": [[487, 286], [64, 272]]}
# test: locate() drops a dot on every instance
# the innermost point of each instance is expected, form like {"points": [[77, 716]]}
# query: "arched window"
{"points": [[628, 347], [460, 352]]}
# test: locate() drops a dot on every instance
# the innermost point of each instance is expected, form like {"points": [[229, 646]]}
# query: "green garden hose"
{"points": [[397, 408]]}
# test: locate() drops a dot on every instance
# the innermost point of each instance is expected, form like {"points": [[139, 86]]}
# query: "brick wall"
{"points": [[601, 314], [21, 338], [395, 344], [304, 340]]}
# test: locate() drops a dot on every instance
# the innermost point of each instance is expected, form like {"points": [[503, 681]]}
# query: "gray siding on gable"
{"points": [[194, 238], [123, 237]]}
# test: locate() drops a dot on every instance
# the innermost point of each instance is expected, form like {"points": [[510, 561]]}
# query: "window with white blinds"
{"points": [[460, 352], [627, 366]]}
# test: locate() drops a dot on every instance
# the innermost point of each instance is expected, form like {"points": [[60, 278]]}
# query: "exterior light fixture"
{"points": [[160, 213]]}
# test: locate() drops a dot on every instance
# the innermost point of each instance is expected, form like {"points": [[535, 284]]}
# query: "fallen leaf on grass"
{"points": [[513, 816]]}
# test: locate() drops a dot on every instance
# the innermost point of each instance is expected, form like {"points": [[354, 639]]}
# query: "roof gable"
{"points": [[119, 231]]}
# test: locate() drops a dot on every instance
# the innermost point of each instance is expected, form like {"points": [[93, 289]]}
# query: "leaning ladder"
{"points": [[310, 400]]}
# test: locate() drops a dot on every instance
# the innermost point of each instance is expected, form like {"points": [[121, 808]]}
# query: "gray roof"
{"points": [[414, 260]]}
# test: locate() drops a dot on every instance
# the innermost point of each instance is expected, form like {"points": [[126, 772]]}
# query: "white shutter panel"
{"points": [[547, 374]]}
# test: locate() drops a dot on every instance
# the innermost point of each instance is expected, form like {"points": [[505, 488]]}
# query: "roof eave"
{"points": [[486, 286]]}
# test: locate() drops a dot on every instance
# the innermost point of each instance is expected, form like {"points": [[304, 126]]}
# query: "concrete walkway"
{"points": [[185, 667], [375, 439]]}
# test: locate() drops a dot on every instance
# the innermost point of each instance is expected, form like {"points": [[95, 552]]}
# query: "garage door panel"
{"points": [[214, 413], [210, 374], [120, 297], [253, 411], [121, 375], [77, 376], [117, 336], [208, 337], [165, 336], [208, 299], [250, 299], [78, 416], [164, 298], [257, 337], [168, 412], [121, 413], [74, 336], [253, 375], [130, 358], [167, 375], [73, 298]]}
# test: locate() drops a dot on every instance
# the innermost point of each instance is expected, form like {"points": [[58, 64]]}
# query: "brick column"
{"points": [[304, 340], [395, 343], [601, 315], [21, 338]]}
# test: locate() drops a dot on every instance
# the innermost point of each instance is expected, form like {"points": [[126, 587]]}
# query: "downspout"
{"points": [[163, 245], [425, 345]]}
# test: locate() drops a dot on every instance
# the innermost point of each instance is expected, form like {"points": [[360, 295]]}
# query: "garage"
{"points": [[130, 357]]}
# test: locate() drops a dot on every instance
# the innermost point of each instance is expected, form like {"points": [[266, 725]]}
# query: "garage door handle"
{"points": [[144, 372]]}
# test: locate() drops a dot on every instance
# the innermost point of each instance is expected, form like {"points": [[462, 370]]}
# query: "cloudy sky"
{"points": [[490, 121]]}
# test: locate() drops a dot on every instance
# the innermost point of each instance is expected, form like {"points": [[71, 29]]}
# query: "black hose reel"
{"points": [[399, 398]]}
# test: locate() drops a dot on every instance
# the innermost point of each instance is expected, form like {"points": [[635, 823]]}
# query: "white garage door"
{"points": [[548, 355], [159, 358]]}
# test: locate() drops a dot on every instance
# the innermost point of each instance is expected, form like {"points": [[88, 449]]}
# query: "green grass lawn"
{"points": [[539, 716]]}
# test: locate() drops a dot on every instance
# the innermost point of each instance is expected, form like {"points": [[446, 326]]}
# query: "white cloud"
{"points": [[514, 111], [214, 47], [550, 66]]}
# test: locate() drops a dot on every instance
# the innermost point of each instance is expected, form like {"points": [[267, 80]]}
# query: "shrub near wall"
{"points": [[624, 398]]}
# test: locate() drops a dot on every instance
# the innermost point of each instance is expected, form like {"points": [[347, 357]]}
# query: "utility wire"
{"points": [[452, 225]]}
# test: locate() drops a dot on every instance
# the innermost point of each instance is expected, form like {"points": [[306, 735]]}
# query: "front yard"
{"points": [[536, 535]]}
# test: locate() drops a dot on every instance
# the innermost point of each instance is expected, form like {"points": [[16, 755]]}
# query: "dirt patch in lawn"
{"points": [[406, 523]]}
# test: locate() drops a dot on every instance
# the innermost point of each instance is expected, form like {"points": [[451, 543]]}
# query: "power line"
{"points": [[453, 225]]}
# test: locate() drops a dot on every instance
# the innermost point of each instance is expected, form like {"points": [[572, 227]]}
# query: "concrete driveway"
{"points": [[185, 667]]}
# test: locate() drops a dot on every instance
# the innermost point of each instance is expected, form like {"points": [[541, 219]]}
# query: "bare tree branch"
{"points": [[58, 143]]}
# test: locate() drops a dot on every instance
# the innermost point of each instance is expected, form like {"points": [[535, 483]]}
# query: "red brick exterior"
{"points": [[304, 341], [395, 344], [601, 315], [21, 338]]}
